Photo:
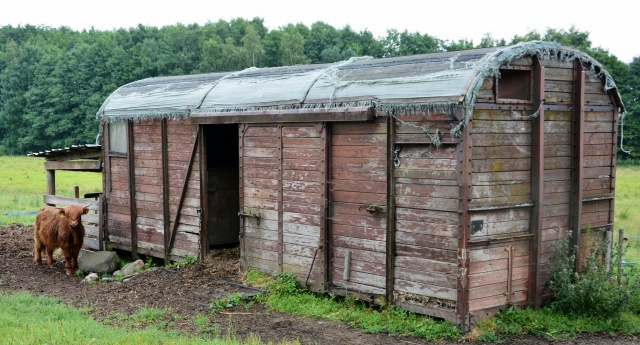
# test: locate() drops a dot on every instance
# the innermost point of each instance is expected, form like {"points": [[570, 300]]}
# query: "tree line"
{"points": [[54, 80]]}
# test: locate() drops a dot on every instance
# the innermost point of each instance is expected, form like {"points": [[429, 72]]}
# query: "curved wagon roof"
{"points": [[427, 82]]}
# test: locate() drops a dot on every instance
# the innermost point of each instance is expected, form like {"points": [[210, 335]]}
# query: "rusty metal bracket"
{"points": [[373, 209], [255, 216]]}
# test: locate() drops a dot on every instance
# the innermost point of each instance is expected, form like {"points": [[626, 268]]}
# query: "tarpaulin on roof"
{"points": [[432, 81]]}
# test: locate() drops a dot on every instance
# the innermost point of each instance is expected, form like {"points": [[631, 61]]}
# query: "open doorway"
{"points": [[222, 185]]}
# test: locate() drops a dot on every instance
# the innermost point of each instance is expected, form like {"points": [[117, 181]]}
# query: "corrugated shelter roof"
{"points": [[426, 82], [85, 151]]}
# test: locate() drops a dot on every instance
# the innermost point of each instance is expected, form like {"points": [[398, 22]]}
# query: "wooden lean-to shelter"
{"points": [[434, 182]]}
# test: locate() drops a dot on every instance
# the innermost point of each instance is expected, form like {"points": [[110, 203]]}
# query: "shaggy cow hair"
{"points": [[59, 228]]}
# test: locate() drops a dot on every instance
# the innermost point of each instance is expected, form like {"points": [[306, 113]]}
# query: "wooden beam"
{"points": [[324, 231], [286, 115], [165, 190], [391, 221], [204, 195], [464, 225], [133, 212], [93, 166], [577, 152], [65, 201], [51, 181], [101, 227], [241, 130], [280, 204], [537, 185]]}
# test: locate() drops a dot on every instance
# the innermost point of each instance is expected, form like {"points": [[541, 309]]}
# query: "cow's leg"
{"points": [[75, 254], [67, 260], [37, 249], [50, 257]]}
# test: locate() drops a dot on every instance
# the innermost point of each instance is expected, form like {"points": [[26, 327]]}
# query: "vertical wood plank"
{"points": [[204, 200], [241, 130], [280, 201], [101, 227], [391, 211], [577, 163], [464, 168], [51, 182], [165, 190], [324, 230], [537, 183], [132, 190]]}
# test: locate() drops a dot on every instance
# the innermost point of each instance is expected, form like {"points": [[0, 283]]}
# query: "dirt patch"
{"points": [[187, 292]]}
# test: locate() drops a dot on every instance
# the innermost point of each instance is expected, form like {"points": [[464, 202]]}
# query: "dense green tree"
{"points": [[631, 98], [322, 36], [462, 44], [53, 80], [252, 45], [292, 47], [15, 82]]}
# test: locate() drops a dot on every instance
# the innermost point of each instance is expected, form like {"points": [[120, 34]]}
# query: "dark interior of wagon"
{"points": [[222, 185]]}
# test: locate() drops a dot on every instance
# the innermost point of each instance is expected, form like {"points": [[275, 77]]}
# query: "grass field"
{"points": [[627, 208], [22, 185]]}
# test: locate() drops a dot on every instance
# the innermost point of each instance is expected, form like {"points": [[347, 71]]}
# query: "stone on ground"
{"points": [[128, 269], [98, 262]]}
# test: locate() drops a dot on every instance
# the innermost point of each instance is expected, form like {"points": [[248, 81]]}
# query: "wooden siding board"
{"points": [[358, 179]]}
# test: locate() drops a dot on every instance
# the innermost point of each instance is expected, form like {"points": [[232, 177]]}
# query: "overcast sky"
{"points": [[613, 25]]}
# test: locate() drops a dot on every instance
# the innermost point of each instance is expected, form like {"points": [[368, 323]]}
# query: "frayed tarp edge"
{"points": [[490, 67]]}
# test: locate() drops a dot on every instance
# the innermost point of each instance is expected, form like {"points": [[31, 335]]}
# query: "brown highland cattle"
{"points": [[59, 228]]}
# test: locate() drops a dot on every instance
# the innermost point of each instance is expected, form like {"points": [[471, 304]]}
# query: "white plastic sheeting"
{"points": [[429, 82]]}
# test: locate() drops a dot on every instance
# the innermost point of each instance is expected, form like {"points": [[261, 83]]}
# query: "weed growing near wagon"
{"points": [[594, 290], [590, 300]]}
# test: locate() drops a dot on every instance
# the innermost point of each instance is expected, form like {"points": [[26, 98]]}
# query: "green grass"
{"points": [[25, 319], [23, 185], [627, 207], [548, 324], [285, 296]]}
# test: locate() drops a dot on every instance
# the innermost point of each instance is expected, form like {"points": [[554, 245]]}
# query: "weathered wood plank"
{"points": [[432, 229], [359, 140], [427, 253], [500, 127], [425, 265], [499, 276], [425, 289], [491, 140], [497, 252], [374, 234], [436, 204], [425, 174], [496, 265], [426, 216], [299, 218], [359, 186], [522, 164], [426, 240], [362, 278], [497, 289], [358, 243], [358, 151], [501, 177], [433, 191]]}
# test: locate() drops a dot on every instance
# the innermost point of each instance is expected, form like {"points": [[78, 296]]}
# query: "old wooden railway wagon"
{"points": [[436, 182]]}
